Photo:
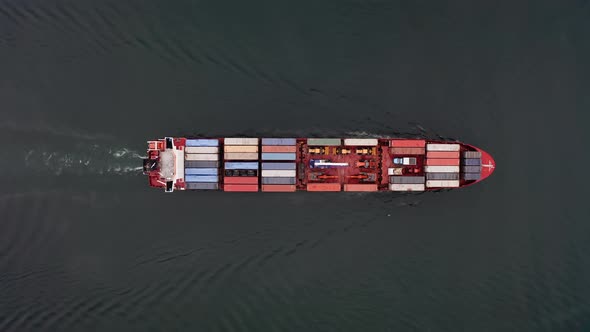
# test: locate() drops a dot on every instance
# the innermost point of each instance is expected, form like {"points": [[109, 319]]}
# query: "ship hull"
{"points": [[246, 164]]}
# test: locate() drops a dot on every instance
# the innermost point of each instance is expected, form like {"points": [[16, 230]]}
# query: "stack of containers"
{"points": [[442, 165], [471, 165], [201, 164], [364, 142], [241, 172], [398, 182], [279, 167], [324, 142], [407, 146]]}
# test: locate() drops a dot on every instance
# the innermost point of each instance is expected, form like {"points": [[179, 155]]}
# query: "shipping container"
{"points": [[201, 178], [279, 148], [200, 164], [360, 187], [360, 142], [442, 147], [201, 149], [324, 141], [278, 156], [201, 156], [283, 173], [240, 187], [201, 186], [395, 171], [471, 154], [442, 183], [441, 169], [443, 154], [407, 143], [290, 166], [406, 179], [279, 141], [279, 187], [240, 156], [406, 187], [277, 180], [471, 176], [324, 187], [240, 148], [202, 142], [407, 151], [201, 171], [471, 169], [240, 172], [471, 162], [241, 165], [240, 180], [442, 162], [240, 141], [442, 176]]}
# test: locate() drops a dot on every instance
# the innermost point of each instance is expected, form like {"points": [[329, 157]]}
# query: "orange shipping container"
{"points": [[240, 180], [442, 162], [240, 187], [279, 148], [278, 187], [240, 148], [442, 154], [360, 187], [404, 143], [240, 156], [323, 187], [407, 151]]}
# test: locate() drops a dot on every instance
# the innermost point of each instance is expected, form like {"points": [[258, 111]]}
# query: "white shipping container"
{"points": [[240, 156], [201, 149], [442, 183], [406, 187], [360, 142], [443, 147], [240, 141], [441, 169], [282, 173], [201, 156]]}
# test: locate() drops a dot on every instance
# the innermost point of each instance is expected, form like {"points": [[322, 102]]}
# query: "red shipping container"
{"points": [[279, 148], [404, 151], [442, 162], [407, 143], [360, 187], [240, 187], [240, 180], [278, 187], [442, 154], [323, 187]]}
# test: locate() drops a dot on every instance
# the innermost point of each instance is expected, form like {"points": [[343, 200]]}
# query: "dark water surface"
{"points": [[85, 245]]}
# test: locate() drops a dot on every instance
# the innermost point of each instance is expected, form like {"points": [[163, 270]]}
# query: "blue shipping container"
{"points": [[275, 166], [201, 178], [278, 156], [472, 162], [279, 141], [202, 142], [201, 186], [471, 176], [241, 165], [200, 171]]}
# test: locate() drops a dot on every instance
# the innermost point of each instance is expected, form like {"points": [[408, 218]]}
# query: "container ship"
{"points": [[244, 164]]}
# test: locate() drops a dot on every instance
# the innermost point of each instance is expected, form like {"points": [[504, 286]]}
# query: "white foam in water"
{"points": [[83, 159]]}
